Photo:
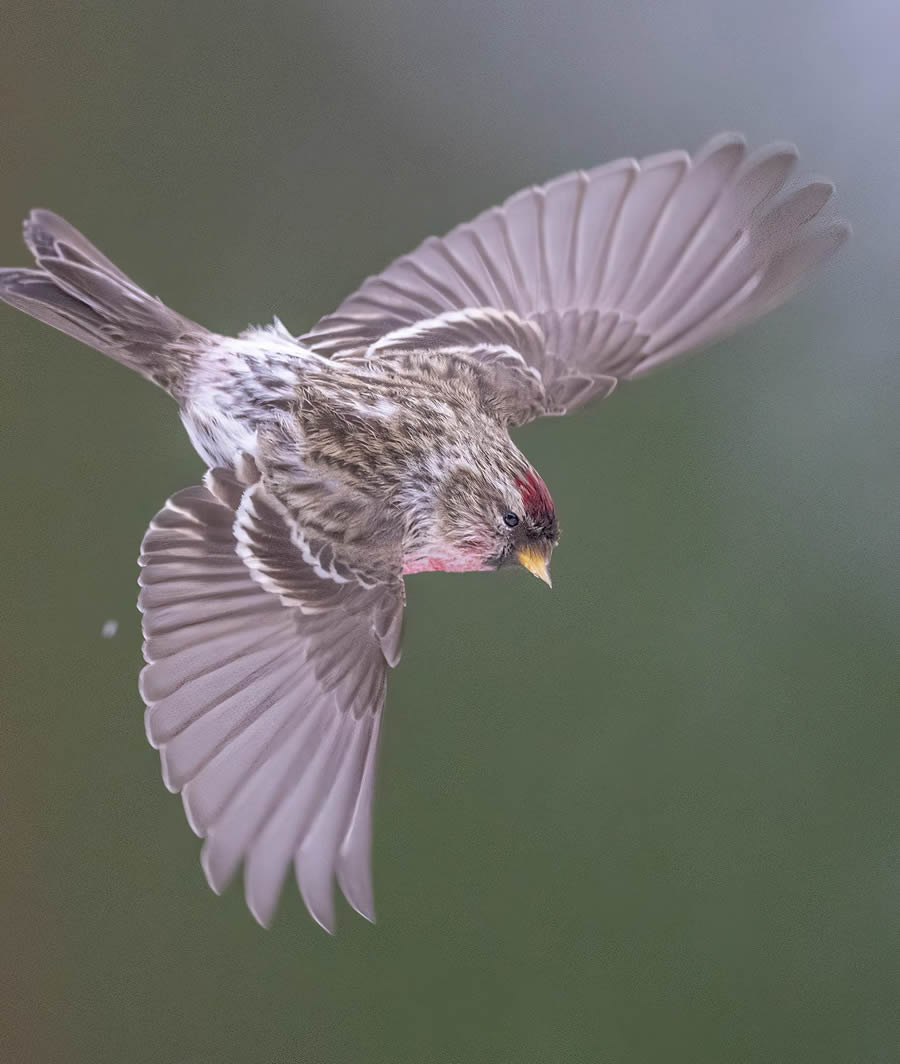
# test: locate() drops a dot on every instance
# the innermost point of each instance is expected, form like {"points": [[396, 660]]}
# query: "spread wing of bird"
{"points": [[600, 276], [265, 683]]}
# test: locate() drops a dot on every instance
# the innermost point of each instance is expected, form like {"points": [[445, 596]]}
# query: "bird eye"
{"points": [[510, 520]]}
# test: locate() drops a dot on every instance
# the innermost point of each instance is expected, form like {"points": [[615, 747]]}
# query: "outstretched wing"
{"points": [[265, 684], [602, 275]]}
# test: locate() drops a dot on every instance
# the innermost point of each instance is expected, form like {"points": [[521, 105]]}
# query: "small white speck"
{"points": [[109, 629]]}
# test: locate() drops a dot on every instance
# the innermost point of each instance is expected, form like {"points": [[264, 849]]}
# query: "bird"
{"points": [[378, 445]]}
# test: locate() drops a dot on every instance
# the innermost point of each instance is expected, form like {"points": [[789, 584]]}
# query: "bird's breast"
{"points": [[435, 564]]}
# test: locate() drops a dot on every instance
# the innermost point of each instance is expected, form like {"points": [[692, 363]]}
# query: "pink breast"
{"points": [[443, 565]]}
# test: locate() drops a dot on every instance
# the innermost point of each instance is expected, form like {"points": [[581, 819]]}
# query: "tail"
{"points": [[77, 290]]}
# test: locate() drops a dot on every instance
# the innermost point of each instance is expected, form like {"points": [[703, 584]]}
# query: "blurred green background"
{"points": [[650, 817]]}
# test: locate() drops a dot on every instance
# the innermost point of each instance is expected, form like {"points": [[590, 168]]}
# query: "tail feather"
{"points": [[77, 290], [47, 235]]}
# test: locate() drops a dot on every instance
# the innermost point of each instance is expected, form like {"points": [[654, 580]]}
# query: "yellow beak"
{"points": [[536, 563]]}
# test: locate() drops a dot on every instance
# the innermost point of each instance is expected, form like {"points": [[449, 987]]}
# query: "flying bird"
{"points": [[377, 445]]}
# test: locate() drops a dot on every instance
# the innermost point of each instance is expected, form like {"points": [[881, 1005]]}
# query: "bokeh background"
{"points": [[650, 817]]}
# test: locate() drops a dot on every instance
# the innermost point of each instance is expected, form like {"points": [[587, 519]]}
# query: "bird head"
{"points": [[493, 517]]}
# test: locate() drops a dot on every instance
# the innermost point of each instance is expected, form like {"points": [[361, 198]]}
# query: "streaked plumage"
{"points": [[377, 445]]}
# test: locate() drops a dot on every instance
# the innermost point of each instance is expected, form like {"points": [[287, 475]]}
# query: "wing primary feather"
{"points": [[270, 854], [314, 860], [572, 264], [354, 863], [209, 792], [501, 290]]}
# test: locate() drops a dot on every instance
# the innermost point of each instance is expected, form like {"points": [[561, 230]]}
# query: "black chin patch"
{"points": [[497, 561]]}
